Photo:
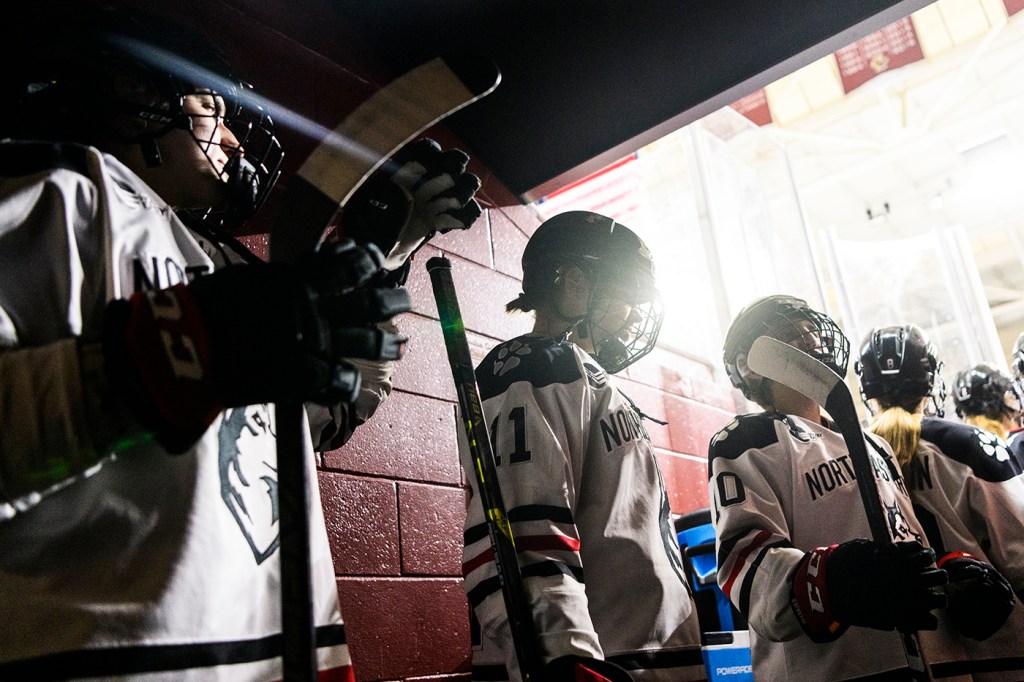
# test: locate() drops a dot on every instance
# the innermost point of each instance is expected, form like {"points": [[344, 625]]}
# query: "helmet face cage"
{"points": [[625, 312], [898, 366], [791, 321], [254, 165], [640, 327], [984, 390]]}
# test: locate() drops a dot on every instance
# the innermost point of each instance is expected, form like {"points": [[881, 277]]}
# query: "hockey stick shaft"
{"points": [[520, 617], [790, 366], [363, 141]]}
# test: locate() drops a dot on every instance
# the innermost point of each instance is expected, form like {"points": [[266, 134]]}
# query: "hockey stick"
{"points": [[790, 366], [367, 137], [520, 617]]}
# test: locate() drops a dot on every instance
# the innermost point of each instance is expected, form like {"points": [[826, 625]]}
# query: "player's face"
{"points": [[190, 174], [614, 314], [207, 111]]}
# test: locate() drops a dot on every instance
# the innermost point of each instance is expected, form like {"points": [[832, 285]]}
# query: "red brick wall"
{"points": [[393, 496]]}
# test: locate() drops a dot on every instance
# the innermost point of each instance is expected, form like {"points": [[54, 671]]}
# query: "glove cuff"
{"points": [[954, 555], [809, 597]]}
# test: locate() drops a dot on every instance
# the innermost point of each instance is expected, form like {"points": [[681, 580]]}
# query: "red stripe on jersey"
{"points": [[759, 539], [342, 673], [527, 543]]}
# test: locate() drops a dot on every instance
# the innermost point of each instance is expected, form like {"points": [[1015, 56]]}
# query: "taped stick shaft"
{"points": [[520, 617]]}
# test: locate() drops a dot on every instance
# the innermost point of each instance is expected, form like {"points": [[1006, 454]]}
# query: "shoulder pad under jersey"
{"points": [[19, 158], [745, 432], [985, 453], [536, 360]]}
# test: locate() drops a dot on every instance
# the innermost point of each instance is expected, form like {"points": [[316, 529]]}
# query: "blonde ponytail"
{"points": [[993, 425], [901, 429]]}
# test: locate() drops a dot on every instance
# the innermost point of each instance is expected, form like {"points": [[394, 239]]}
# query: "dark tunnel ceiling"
{"points": [[586, 83]]}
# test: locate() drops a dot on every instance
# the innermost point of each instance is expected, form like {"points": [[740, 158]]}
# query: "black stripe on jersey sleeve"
{"points": [[546, 362], [962, 443], [748, 579], [527, 512], [748, 432], [27, 158], [655, 660], [489, 673], [486, 588], [726, 546], [136, 660]]}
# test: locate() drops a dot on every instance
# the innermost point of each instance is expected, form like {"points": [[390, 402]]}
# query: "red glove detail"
{"points": [[585, 674], [809, 597], [954, 555], [168, 345]]}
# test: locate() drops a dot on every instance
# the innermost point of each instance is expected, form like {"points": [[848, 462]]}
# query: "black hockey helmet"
{"points": [[781, 317], [898, 366], [612, 255], [72, 86], [985, 390]]}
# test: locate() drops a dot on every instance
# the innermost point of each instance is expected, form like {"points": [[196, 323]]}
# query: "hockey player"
{"points": [[140, 356], [968, 494], [1013, 439], [578, 474], [822, 601], [985, 397]]}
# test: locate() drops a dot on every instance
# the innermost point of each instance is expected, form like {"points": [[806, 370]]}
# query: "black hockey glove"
{"points": [[867, 583], [980, 598], [583, 669], [419, 192], [249, 334]]}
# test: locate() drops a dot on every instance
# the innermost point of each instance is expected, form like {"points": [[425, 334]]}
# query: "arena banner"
{"points": [[755, 107], [890, 48]]}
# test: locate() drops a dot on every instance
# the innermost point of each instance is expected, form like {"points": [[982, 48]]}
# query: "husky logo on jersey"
{"points": [[508, 357], [248, 482], [596, 377], [898, 525], [992, 445]]}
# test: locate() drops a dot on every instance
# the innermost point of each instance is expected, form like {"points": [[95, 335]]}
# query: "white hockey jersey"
{"points": [[144, 566], [590, 517], [968, 494], [781, 486]]}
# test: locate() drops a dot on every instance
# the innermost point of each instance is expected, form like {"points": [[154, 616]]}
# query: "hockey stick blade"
{"points": [[367, 137], [372, 133], [506, 561], [794, 368], [790, 366]]}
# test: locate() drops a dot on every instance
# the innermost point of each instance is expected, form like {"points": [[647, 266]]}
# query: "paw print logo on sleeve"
{"points": [[992, 445], [508, 357], [724, 433]]}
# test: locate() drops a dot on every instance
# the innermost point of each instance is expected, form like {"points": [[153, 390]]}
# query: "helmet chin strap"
{"points": [[151, 152]]}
